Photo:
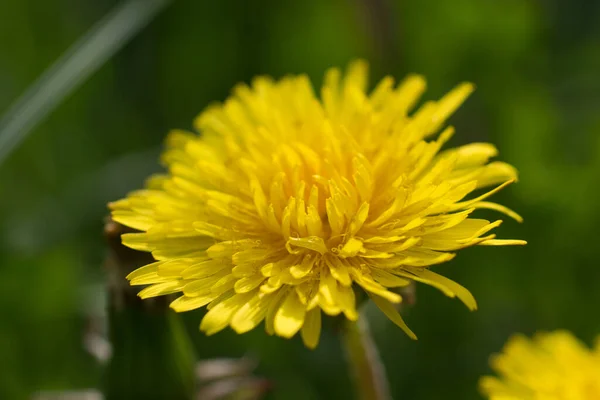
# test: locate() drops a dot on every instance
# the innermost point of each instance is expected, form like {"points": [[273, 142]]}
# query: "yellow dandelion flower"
{"points": [[287, 203], [551, 366]]}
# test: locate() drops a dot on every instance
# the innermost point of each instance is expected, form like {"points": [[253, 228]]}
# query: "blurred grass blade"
{"points": [[77, 64]]}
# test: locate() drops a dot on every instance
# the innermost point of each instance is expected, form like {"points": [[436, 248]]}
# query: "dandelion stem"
{"points": [[364, 361]]}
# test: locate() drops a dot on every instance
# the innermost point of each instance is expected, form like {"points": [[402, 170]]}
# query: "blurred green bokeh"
{"points": [[535, 64]]}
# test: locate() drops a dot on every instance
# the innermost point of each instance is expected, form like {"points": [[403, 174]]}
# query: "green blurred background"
{"points": [[536, 66]]}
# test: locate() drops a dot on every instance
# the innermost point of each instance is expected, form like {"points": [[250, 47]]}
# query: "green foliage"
{"points": [[535, 66], [144, 337]]}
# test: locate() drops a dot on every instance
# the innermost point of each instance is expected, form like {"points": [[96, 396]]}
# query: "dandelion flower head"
{"points": [[288, 204], [551, 366]]}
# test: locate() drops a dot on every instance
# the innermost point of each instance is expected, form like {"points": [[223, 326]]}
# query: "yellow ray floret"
{"points": [[287, 203], [551, 366]]}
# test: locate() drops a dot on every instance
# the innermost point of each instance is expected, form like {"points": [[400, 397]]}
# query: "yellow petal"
{"points": [[382, 91], [359, 219], [469, 203], [252, 313], [249, 283], [347, 302], [367, 283], [390, 311], [409, 91], [338, 269], [357, 74], [290, 316], [185, 303], [449, 103], [351, 248], [147, 270], [387, 279], [495, 173], [272, 311], [149, 279], [299, 271], [260, 200], [335, 216], [311, 330], [218, 317], [314, 243], [228, 248], [203, 286], [473, 154], [160, 289], [330, 91], [314, 224], [503, 242], [177, 138], [204, 269], [224, 284], [447, 286], [133, 220], [173, 268], [500, 208], [137, 241]]}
